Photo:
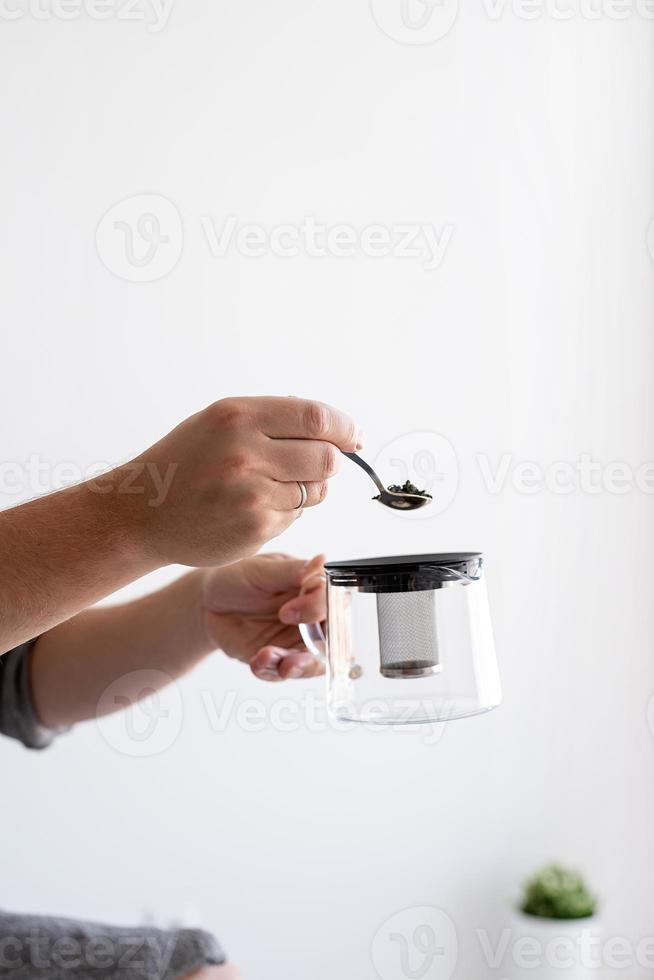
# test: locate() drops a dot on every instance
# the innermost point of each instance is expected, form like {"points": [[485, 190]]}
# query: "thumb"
{"points": [[312, 570]]}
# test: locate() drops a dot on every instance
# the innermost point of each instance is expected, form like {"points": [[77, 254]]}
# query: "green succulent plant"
{"points": [[558, 893]]}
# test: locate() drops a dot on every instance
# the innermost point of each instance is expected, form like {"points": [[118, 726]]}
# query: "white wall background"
{"points": [[533, 140]]}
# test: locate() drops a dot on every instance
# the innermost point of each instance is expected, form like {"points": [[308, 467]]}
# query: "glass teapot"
{"points": [[408, 640]]}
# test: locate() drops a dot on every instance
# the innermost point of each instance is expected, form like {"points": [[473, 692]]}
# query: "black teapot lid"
{"points": [[403, 563], [405, 573]]}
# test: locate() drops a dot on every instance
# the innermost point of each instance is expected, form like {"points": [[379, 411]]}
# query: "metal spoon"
{"points": [[399, 500]]}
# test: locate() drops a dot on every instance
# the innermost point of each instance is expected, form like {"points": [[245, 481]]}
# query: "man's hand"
{"points": [[252, 608], [236, 470], [214, 490]]}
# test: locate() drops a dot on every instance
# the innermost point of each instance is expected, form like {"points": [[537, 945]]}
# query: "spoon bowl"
{"points": [[396, 499], [399, 500]]}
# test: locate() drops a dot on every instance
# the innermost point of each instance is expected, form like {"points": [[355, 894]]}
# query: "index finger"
{"points": [[301, 418]]}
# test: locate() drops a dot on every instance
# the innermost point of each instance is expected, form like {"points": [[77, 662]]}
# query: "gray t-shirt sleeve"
{"points": [[17, 715], [44, 948]]}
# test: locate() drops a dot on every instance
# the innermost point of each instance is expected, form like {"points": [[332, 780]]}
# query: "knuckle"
{"points": [[255, 525], [352, 432], [251, 498], [322, 489], [317, 420], [228, 412], [328, 462], [236, 463]]}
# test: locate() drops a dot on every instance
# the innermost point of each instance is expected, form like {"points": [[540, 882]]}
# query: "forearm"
{"points": [[61, 553], [74, 663]]}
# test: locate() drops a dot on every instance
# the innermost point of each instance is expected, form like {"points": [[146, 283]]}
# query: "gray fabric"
{"points": [[44, 948], [17, 716], [40, 948]]}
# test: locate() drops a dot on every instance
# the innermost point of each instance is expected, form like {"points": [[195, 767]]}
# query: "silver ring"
{"points": [[303, 491]]}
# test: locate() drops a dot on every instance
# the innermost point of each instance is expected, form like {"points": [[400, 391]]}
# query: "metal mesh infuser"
{"points": [[408, 638]]}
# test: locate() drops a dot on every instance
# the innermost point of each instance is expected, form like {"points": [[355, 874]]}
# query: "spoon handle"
{"points": [[369, 470]]}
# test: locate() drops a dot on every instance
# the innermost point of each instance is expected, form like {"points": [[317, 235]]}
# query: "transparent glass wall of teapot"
{"points": [[418, 655]]}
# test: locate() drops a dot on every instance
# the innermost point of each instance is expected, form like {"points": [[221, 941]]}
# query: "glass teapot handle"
{"points": [[314, 640]]}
